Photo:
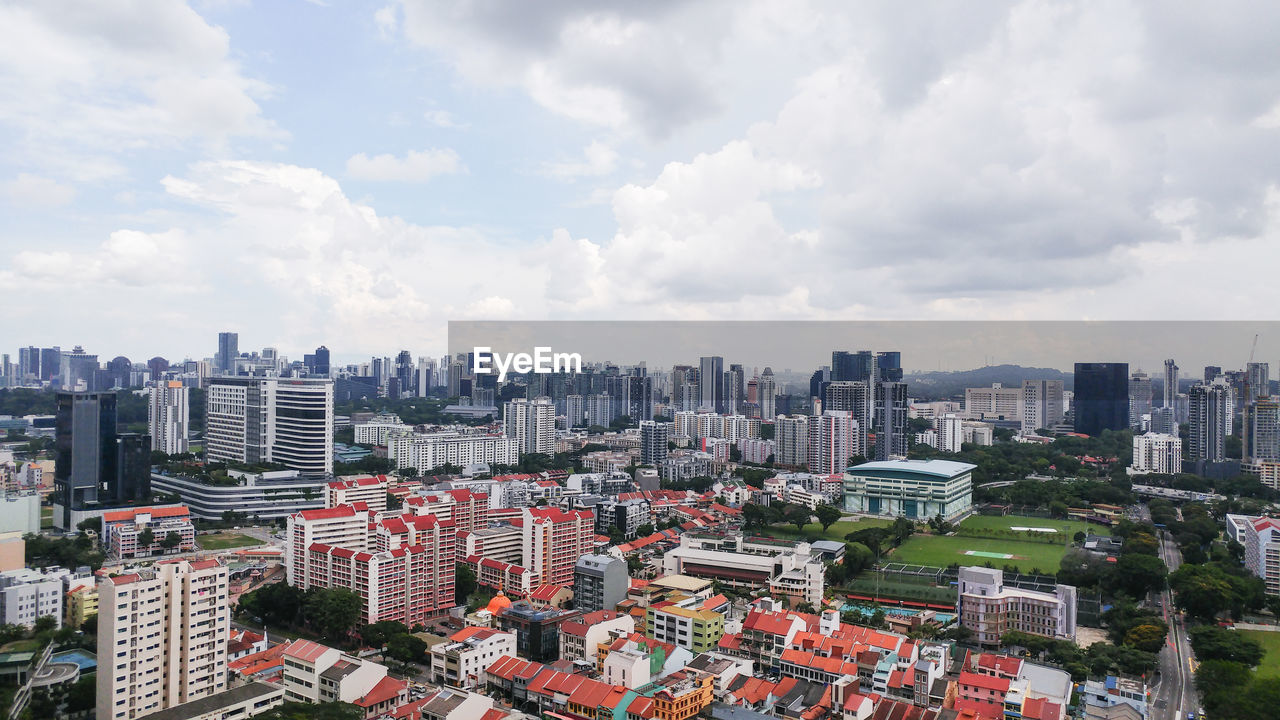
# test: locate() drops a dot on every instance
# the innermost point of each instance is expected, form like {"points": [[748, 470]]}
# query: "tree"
{"points": [[171, 540], [1203, 591], [1139, 574], [375, 635], [857, 557], [464, 582], [827, 515], [394, 502], [900, 530], [1215, 643], [406, 648], [644, 530], [1146, 637], [43, 624], [332, 612], [82, 696], [145, 538], [797, 515]]}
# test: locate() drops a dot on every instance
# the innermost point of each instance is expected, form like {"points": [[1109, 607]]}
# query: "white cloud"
{"points": [[127, 257], [598, 159], [416, 166], [85, 84], [32, 191], [386, 19], [443, 119]]}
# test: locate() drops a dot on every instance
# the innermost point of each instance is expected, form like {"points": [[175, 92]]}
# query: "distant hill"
{"points": [[947, 385]]}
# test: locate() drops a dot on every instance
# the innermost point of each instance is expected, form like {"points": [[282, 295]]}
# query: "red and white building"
{"points": [[468, 510], [349, 490], [554, 539], [121, 529], [401, 566]]}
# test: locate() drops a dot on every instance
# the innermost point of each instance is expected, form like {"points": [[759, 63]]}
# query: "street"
{"points": [[1176, 695]]}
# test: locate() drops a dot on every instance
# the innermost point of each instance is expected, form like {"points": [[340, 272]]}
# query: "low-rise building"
{"points": [[27, 595], [124, 532], [600, 582], [461, 662], [537, 630], [580, 636], [910, 488], [316, 673], [1114, 691], [685, 624], [990, 608], [786, 569]]}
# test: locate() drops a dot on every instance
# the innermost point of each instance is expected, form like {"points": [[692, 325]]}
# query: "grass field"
{"points": [[46, 518], [226, 540], [1065, 528], [942, 551], [813, 531], [1270, 642]]}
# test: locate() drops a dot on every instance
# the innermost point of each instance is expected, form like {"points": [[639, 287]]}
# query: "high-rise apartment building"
{"points": [[950, 429], [1170, 382], [168, 416], [856, 397], [711, 383], [1163, 421], [532, 424], [1157, 453], [228, 351], [600, 582], [891, 420], [162, 637], [95, 465], [276, 420], [1211, 373], [791, 433], [1260, 537], [1208, 415], [832, 441], [1262, 431], [1041, 404], [1101, 397], [767, 395], [1139, 398], [653, 442]]}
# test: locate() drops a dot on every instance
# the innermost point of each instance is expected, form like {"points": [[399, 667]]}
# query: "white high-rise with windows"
{"points": [[767, 390], [791, 433], [532, 424], [832, 441], [1209, 413], [1157, 453], [950, 429], [168, 416], [162, 637], [653, 442], [1041, 404], [275, 420]]}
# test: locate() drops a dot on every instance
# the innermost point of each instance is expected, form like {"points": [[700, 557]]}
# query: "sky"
{"points": [[360, 174]]}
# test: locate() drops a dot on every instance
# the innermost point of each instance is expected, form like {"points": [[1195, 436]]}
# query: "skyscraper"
{"points": [[50, 362], [276, 420], [889, 366], [78, 370], [532, 424], [228, 351], [1139, 398], [792, 438], [168, 416], [1101, 397], [653, 442], [767, 394], [95, 465], [1170, 382], [1259, 375], [831, 441], [404, 371], [854, 396], [891, 420], [1262, 431], [1164, 421], [1211, 372], [852, 366], [321, 367], [734, 390], [162, 637], [1207, 408], [711, 383], [1041, 404]]}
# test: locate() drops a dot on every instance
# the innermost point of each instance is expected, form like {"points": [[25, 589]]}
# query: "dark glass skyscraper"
{"points": [[1101, 397], [228, 351], [94, 465], [889, 366], [322, 362], [852, 366]]}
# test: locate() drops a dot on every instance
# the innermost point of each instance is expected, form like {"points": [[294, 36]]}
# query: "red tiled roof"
{"points": [[1040, 709], [122, 515], [341, 511], [986, 682], [386, 689], [305, 650]]}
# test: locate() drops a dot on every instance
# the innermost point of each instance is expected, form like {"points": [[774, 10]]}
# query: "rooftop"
{"points": [[936, 468], [213, 703]]}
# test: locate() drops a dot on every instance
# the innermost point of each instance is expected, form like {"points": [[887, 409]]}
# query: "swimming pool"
{"points": [[868, 611], [87, 661]]}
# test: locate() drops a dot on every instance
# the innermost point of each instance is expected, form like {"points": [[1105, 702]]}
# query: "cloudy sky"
{"points": [[359, 174]]}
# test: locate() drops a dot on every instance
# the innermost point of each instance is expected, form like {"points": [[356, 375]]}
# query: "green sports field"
{"points": [[1270, 642], [813, 531], [994, 542], [225, 541]]}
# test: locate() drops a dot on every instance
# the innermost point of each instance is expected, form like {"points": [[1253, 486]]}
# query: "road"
{"points": [[1176, 694]]}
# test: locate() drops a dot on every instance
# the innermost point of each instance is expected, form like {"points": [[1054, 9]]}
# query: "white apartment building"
{"points": [[791, 433], [755, 450], [168, 416], [429, 451], [699, 425], [376, 431], [461, 662], [315, 673], [1156, 453], [990, 608], [832, 441], [1260, 537], [532, 424], [950, 430], [996, 401], [162, 637], [1041, 404], [349, 489], [978, 433], [27, 595], [277, 420]]}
